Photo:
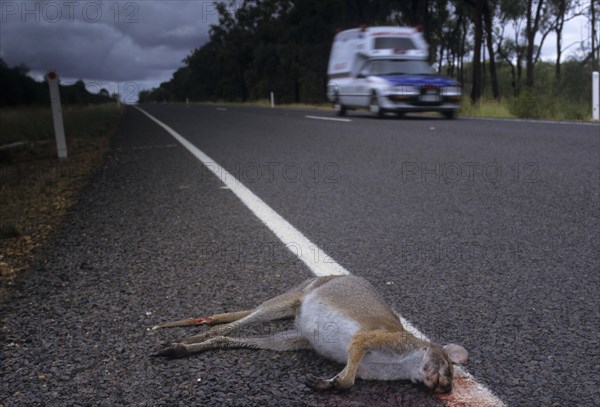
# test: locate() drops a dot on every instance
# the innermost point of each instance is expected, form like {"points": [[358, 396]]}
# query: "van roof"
{"points": [[376, 32], [351, 48]]}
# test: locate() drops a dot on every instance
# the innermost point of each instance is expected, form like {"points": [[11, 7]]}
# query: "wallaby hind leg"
{"points": [[296, 292], [212, 320], [281, 307], [281, 342]]}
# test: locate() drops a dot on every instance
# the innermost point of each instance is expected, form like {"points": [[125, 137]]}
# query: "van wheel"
{"points": [[340, 109], [374, 106]]}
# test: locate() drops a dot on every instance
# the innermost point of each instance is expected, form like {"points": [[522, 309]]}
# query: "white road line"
{"points": [[222, 109], [295, 241], [466, 390], [335, 119]]}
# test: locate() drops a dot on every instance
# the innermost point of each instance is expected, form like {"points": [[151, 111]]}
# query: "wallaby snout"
{"points": [[438, 380], [437, 367]]}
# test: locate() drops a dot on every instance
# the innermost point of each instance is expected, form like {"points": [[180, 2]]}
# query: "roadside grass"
{"points": [[498, 109], [36, 189], [311, 106], [267, 103], [31, 124], [522, 108]]}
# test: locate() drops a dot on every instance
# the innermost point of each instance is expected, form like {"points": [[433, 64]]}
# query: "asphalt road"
{"points": [[481, 232]]}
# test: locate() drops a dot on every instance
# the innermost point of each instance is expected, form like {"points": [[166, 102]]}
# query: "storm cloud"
{"points": [[104, 43]]}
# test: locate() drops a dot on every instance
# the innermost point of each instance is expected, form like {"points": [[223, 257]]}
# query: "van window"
{"points": [[400, 43], [366, 69]]}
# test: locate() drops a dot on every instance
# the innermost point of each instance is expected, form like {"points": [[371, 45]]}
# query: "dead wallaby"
{"points": [[363, 333]]}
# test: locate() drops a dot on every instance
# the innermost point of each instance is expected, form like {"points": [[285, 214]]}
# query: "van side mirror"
{"points": [[361, 75]]}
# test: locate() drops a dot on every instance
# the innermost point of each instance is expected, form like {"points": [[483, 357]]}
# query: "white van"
{"points": [[385, 69]]}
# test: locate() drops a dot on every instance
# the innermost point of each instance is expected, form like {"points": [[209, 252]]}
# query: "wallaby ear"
{"points": [[457, 354]]}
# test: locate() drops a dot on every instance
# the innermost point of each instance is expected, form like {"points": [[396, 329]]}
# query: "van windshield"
{"points": [[394, 43], [400, 67]]}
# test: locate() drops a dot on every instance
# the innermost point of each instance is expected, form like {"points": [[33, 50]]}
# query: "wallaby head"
{"points": [[437, 370]]}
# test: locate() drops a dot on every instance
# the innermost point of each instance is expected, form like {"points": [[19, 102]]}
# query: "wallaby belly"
{"points": [[327, 329]]}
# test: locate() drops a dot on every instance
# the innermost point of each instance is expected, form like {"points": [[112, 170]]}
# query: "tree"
{"points": [[538, 17], [476, 66], [561, 8], [511, 50], [488, 13]]}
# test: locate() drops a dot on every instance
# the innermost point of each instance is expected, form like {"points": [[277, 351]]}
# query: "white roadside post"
{"points": [[272, 100], [57, 117], [596, 95]]}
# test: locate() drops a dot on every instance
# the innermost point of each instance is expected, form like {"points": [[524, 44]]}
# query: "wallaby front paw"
{"points": [[341, 385], [318, 383], [173, 350]]}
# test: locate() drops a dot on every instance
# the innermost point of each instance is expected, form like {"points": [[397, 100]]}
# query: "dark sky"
{"points": [[122, 45], [107, 44]]}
